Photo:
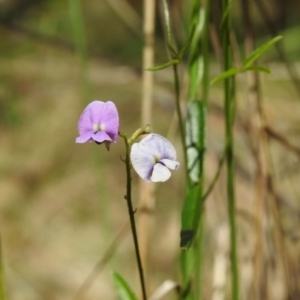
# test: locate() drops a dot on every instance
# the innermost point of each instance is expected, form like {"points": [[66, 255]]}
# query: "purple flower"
{"points": [[153, 157], [99, 122]]}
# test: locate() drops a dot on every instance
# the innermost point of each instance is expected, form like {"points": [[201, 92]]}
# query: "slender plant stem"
{"points": [[205, 45], [215, 179], [131, 217], [180, 120], [199, 245], [186, 272], [229, 106], [167, 25], [198, 254]]}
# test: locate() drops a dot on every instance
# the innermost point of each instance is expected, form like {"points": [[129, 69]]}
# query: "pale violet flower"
{"points": [[152, 158], [99, 122]]}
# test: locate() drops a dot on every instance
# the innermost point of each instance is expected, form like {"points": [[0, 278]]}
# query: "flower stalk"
{"points": [[142, 130], [131, 213]]}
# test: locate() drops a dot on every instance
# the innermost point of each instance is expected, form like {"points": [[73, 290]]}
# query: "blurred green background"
{"points": [[62, 203]]}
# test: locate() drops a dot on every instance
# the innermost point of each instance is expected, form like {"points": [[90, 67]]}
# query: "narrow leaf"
{"points": [[226, 74], [260, 51], [164, 66], [125, 292], [236, 71], [257, 68]]}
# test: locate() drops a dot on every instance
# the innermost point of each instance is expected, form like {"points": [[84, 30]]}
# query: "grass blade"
{"points": [[260, 51], [257, 69], [226, 74], [235, 71], [125, 292]]}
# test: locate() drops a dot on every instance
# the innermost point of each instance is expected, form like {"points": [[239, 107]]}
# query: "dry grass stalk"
{"points": [[266, 206], [220, 265], [146, 190]]}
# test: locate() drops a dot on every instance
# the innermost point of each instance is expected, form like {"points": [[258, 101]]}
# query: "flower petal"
{"points": [[101, 136], [90, 116], [158, 146], [160, 173], [86, 137], [141, 161], [171, 164], [110, 119]]}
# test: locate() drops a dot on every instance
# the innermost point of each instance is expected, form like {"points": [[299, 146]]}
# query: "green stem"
{"points": [[229, 107], [199, 243], [198, 254], [167, 24], [215, 179], [131, 216], [206, 53], [180, 120]]}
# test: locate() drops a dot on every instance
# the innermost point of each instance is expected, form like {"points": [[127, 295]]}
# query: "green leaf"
{"points": [[235, 71], [164, 66], [248, 63], [226, 74], [257, 68], [260, 51], [124, 290]]}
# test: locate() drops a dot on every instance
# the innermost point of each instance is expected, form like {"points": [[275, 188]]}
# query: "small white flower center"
{"points": [[156, 158], [98, 127]]}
